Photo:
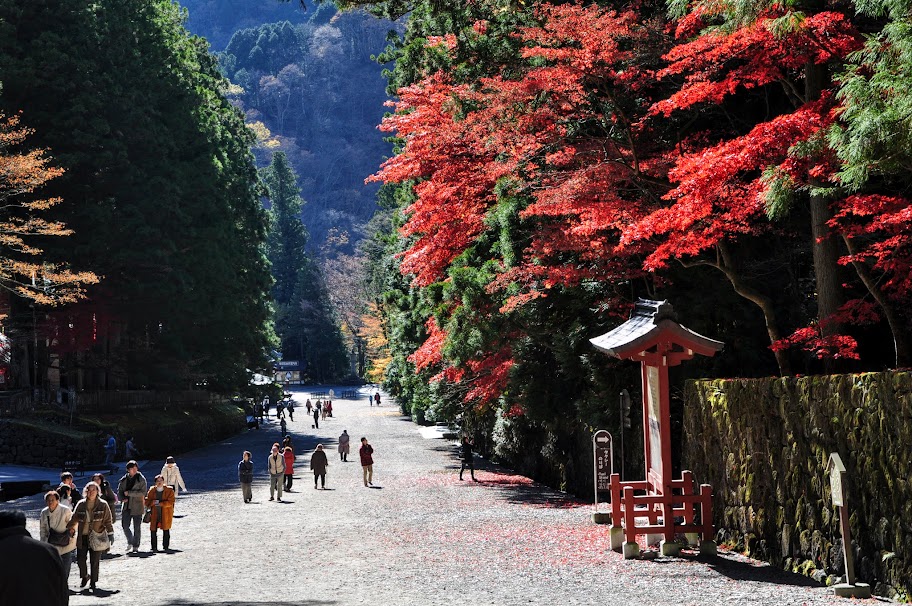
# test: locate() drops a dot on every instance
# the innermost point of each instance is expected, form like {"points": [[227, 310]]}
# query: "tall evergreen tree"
{"points": [[287, 236], [305, 319], [163, 190]]}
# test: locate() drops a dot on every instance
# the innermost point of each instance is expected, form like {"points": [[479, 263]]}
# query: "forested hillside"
{"points": [[308, 76]]}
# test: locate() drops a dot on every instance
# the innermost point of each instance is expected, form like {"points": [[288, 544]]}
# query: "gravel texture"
{"points": [[418, 536]]}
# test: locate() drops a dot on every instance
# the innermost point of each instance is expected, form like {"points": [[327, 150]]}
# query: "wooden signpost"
{"points": [[849, 589], [603, 455]]}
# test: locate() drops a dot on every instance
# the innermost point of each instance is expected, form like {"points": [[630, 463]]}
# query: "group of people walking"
{"points": [[280, 466], [81, 522]]}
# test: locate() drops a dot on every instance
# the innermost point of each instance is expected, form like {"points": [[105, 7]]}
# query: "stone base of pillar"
{"points": [[858, 590], [670, 548], [617, 538], [708, 548], [631, 551]]}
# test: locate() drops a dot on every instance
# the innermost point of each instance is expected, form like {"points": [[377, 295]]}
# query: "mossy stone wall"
{"points": [[764, 444]]}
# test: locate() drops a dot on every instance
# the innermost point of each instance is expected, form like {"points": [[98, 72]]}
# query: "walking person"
{"points": [[290, 408], [173, 478], [377, 398], [54, 528], [344, 445], [316, 414], [275, 464], [288, 455], [329, 408], [258, 411], [308, 405], [280, 410], [245, 476], [30, 571], [67, 486], [93, 522], [468, 459], [367, 461], [106, 493], [160, 499], [284, 427], [132, 489], [110, 449], [318, 464], [130, 450]]}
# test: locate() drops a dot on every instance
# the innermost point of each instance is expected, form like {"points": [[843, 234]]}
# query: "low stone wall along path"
{"points": [[419, 536]]}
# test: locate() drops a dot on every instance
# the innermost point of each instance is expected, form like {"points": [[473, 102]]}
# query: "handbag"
{"points": [[61, 539], [147, 517], [98, 541]]}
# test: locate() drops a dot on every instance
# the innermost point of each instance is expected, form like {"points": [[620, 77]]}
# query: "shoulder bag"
{"points": [[98, 541], [60, 539]]}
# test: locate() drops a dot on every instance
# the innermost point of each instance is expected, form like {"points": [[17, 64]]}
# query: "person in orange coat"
{"points": [[160, 500]]}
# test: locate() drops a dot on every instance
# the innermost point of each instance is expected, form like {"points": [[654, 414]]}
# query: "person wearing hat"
{"points": [[172, 474]]}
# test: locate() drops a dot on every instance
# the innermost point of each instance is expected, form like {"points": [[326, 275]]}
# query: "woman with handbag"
{"points": [[54, 529], [94, 532], [160, 512]]}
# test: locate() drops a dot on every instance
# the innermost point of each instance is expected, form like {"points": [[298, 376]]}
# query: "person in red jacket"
{"points": [[288, 453], [367, 461]]}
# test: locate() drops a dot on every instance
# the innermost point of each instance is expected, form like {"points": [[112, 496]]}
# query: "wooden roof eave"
{"points": [[664, 331]]}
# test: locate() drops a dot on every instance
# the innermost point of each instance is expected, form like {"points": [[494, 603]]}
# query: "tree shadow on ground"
{"points": [[509, 485], [179, 602], [730, 566], [739, 570]]}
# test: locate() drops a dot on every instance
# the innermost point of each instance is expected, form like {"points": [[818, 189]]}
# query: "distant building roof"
{"points": [[649, 323]]}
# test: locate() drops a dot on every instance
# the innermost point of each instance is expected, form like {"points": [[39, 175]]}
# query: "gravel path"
{"points": [[419, 536]]}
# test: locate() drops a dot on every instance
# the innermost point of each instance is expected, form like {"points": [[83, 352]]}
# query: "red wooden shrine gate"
{"points": [[654, 338]]}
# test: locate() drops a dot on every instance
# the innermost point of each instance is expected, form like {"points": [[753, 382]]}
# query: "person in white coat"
{"points": [[172, 474], [55, 517]]}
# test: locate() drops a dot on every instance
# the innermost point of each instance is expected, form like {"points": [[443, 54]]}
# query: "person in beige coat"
{"points": [[92, 514], [275, 464], [172, 474], [56, 517]]}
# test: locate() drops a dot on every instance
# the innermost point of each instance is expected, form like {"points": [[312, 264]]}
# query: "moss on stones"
{"points": [[764, 444]]}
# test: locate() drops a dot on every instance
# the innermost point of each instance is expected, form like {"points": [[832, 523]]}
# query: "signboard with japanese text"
{"points": [[602, 449]]}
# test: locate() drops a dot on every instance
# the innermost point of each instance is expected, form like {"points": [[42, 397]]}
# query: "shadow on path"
{"points": [[745, 571], [180, 602]]}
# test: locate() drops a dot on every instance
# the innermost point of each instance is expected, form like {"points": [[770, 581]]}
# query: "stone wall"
{"points": [[22, 443], [763, 444], [156, 432]]}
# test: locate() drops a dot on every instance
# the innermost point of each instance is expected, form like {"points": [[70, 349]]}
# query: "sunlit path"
{"points": [[419, 536]]}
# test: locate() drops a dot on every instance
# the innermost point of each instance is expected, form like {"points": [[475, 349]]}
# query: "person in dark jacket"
{"points": [[245, 476], [468, 459], [31, 572], [318, 464], [367, 461]]}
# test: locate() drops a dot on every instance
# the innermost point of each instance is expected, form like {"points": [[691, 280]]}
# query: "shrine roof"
{"points": [[649, 321]]}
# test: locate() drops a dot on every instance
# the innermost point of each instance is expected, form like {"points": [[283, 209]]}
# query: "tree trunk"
{"points": [[824, 246], [725, 264], [901, 343]]}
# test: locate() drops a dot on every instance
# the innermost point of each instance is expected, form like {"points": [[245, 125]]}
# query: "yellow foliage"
{"points": [[264, 136]]}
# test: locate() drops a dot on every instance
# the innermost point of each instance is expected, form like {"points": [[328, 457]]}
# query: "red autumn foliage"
{"points": [[720, 191], [717, 64], [882, 228]]}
